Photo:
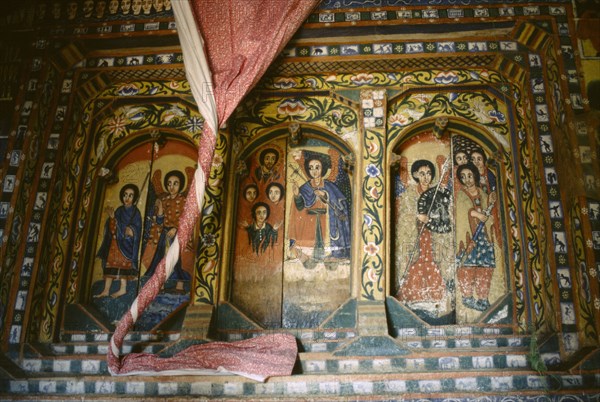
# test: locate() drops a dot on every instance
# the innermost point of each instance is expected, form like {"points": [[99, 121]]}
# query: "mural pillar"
{"points": [[371, 249], [199, 312]]}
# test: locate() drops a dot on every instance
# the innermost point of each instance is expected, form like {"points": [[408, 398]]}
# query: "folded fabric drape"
{"points": [[257, 358]]}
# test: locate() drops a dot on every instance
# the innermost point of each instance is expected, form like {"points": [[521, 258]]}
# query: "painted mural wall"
{"points": [[444, 185], [411, 243]]}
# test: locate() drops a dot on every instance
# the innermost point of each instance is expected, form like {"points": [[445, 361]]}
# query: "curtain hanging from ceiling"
{"points": [[227, 46]]}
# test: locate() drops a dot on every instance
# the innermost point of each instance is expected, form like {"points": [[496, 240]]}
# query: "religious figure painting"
{"points": [[449, 268], [423, 202], [292, 237], [476, 254], [481, 276], [318, 238], [121, 241], [139, 222], [261, 210], [116, 265], [267, 171], [259, 254], [163, 221], [172, 172], [321, 209]]}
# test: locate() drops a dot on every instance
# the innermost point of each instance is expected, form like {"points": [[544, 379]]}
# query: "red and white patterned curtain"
{"points": [[227, 46]]}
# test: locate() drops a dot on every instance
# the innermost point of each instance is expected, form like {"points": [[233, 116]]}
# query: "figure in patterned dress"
{"points": [[476, 258], [421, 282]]}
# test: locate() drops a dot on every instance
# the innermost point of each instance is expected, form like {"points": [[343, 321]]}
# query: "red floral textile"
{"points": [[257, 358], [242, 38]]}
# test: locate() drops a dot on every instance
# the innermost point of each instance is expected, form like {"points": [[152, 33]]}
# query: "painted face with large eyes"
{"points": [[424, 176], [274, 194], [136, 6], [269, 160], [461, 158], [113, 6], [88, 8], [251, 194], [477, 160], [158, 5], [100, 7], [467, 178], [261, 215], [315, 169], [173, 185], [125, 6], [147, 6], [128, 196]]}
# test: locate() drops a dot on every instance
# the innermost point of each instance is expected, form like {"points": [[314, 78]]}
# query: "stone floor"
{"points": [[335, 362], [429, 366]]}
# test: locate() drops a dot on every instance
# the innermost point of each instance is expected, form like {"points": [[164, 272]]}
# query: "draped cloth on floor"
{"points": [[227, 46]]}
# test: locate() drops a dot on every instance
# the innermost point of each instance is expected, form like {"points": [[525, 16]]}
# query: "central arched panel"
{"points": [[291, 267]]}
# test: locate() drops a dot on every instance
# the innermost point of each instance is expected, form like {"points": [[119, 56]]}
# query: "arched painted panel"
{"points": [[291, 266], [449, 262]]}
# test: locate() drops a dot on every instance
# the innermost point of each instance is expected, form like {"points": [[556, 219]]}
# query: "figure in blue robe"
{"points": [[322, 216], [120, 242]]}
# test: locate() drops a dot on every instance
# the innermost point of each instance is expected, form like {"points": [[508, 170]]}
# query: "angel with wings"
{"points": [[321, 229], [164, 220]]}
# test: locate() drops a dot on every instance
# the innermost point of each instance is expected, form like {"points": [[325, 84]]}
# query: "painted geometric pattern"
{"points": [[522, 387], [402, 48], [550, 112], [460, 376], [453, 5], [298, 68], [587, 302], [82, 22], [31, 139], [592, 251]]}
